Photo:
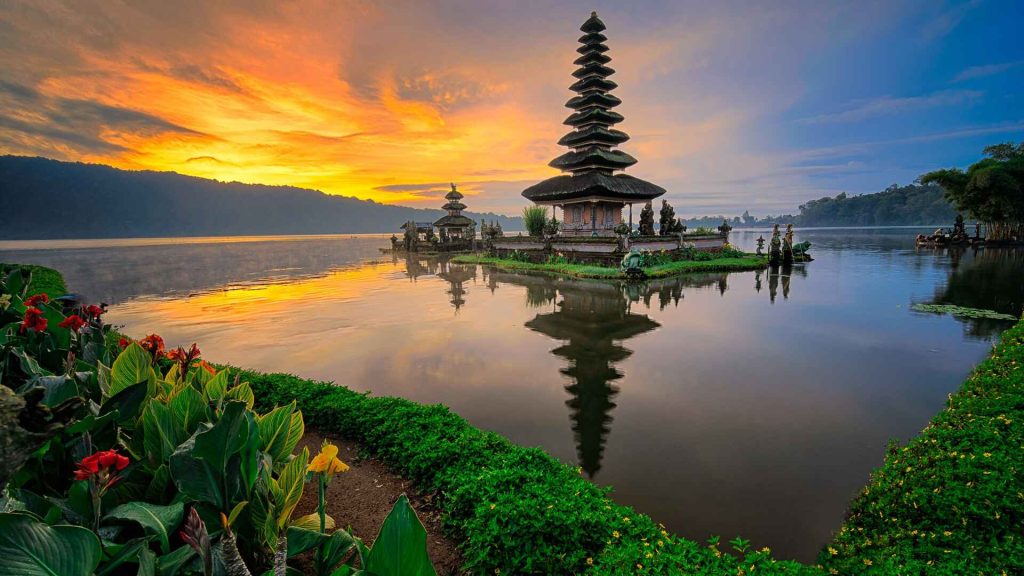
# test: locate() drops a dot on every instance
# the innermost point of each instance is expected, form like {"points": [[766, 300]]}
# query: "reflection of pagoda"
{"points": [[456, 275], [592, 323]]}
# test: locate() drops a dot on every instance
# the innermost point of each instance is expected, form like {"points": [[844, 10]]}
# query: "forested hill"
{"points": [[41, 198], [911, 205], [895, 206]]}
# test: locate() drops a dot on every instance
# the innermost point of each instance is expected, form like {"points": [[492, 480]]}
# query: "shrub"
{"points": [[534, 220]]}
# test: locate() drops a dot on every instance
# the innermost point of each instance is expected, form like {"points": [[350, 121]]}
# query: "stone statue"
{"points": [[631, 264], [394, 242], [760, 245], [775, 249], [959, 233], [725, 228], [787, 245]]}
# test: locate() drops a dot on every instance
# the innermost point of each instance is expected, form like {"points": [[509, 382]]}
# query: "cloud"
{"points": [[60, 125], [944, 23], [887, 105], [986, 70]]}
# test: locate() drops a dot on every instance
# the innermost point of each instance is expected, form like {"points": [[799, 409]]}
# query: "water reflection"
{"points": [[593, 320], [988, 279]]}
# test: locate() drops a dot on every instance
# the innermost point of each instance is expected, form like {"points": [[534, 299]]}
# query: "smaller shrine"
{"points": [[454, 226]]}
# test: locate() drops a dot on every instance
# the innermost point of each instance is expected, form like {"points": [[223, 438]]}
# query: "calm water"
{"points": [[745, 403]]}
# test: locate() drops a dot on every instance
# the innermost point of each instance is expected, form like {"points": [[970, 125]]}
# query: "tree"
{"points": [[668, 223], [534, 219], [991, 190], [647, 220]]}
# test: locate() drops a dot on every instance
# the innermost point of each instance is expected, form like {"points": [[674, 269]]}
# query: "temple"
{"points": [[454, 226], [590, 194]]}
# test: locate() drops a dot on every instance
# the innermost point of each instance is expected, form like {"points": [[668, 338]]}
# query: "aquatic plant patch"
{"points": [[962, 311]]}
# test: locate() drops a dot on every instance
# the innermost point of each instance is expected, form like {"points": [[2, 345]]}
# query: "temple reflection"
{"points": [[593, 319]]}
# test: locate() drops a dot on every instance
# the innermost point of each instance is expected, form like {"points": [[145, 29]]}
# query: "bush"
{"points": [[535, 218]]}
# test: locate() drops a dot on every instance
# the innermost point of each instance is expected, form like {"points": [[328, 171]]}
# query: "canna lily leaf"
{"points": [[312, 522], [30, 548], [159, 521], [131, 367], [401, 546]]}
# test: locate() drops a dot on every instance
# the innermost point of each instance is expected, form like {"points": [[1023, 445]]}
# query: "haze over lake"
{"points": [[734, 404]]}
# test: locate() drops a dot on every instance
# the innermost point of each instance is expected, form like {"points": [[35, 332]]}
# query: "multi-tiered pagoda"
{"points": [[454, 226], [590, 194]]}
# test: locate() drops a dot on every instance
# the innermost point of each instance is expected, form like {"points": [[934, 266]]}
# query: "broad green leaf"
{"points": [[30, 548], [189, 409], [128, 402], [195, 477], [58, 388], [159, 521], [225, 438], [127, 552], [291, 481], [103, 376], [337, 546], [312, 522], [18, 280], [242, 392], [302, 539], [157, 487], [131, 367], [170, 564], [173, 374], [263, 513], [275, 438], [147, 563], [217, 387], [401, 546], [161, 432]]}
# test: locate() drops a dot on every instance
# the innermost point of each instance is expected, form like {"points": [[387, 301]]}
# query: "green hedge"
{"points": [[44, 280], [516, 510], [952, 500]]}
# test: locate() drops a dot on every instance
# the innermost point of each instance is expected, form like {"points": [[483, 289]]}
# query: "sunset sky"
{"points": [[730, 105]]}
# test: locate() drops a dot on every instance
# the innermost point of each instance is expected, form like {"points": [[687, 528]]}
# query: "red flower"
{"points": [[33, 320], [123, 342], [207, 366], [175, 355], [73, 323], [153, 344], [102, 466], [94, 311], [32, 301]]}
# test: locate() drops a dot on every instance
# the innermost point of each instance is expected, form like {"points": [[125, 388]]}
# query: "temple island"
{"points": [[456, 232]]}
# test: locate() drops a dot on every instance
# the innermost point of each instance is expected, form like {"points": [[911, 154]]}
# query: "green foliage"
{"points": [[43, 280], [949, 502], [694, 262], [668, 224], [534, 220], [646, 227], [30, 547], [991, 190], [400, 548]]}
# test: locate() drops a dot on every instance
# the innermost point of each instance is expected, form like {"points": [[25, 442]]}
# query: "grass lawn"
{"points": [[748, 262]]}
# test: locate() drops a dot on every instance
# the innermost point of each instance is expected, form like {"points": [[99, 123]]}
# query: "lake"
{"points": [[750, 404]]}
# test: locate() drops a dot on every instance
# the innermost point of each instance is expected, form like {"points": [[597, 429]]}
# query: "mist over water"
{"points": [[751, 404]]}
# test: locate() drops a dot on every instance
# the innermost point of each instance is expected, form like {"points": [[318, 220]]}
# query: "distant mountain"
{"points": [[42, 198], [910, 205]]}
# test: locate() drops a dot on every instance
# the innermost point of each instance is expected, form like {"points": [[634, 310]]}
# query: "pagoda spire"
{"points": [[592, 139], [592, 166]]}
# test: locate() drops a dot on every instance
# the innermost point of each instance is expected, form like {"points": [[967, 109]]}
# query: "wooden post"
{"points": [[593, 217], [630, 216]]}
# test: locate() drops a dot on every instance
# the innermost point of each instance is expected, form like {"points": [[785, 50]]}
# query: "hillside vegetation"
{"points": [[94, 201]]}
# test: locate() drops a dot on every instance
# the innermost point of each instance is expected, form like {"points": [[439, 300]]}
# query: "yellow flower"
{"points": [[326, 462], [590, 561], [615, 534], [832, 551], [5, 301]]}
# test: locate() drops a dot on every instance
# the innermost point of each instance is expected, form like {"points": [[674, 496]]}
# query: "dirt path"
{"points": [[363, 496]]}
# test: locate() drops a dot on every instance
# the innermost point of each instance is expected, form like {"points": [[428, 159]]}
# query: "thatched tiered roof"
{"points": [[592, 158]]}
